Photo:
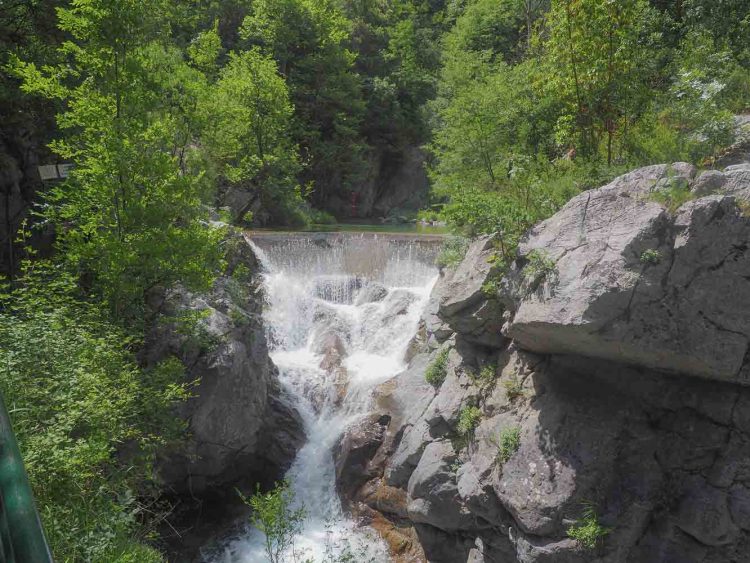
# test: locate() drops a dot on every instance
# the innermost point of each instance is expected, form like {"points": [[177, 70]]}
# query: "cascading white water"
{"points": [[340, 314]]}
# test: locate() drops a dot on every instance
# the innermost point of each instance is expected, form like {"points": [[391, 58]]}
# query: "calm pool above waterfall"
{"points": [[415, 229], [341, 309]]}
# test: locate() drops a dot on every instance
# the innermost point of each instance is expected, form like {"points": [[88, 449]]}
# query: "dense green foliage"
{"points": [[77, 397], [539, 100], [132, 205]]}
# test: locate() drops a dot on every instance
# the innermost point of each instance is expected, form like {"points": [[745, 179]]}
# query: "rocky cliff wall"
{"points": [[241, 427], [599, 390], [396, 182]]}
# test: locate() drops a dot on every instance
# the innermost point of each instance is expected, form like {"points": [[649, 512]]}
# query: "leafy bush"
{"points": [[587, 530], [513, 388], [539, 267], [275, 516], [86, 417], [320, 217], [510, 441], [650, 256], [436, 372], [452, 252], [468, 419]]}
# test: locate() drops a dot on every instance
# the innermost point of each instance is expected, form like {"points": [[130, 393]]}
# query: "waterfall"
{"points": [[340, 313]]}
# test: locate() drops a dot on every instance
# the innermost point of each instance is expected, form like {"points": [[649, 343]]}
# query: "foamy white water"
{"points": [[340, 314]]}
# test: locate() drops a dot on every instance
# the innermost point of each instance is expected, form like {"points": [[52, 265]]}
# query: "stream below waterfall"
{"points": [[340, 312]]}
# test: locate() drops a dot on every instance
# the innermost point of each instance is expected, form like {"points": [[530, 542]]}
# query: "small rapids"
{"points": [[340, 313]]}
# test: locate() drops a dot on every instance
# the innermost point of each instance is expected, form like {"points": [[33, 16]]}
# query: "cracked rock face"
{"points": [[241, 428], [624, 383], [638, 283], [461, 299], [665, 460]]}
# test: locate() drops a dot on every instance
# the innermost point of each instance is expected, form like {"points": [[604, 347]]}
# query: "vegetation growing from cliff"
{"points": [[539, 268], [468, 419], [672, 196], [437, 371], [650, 256], [452, 252], [513, 388], [587, 530], [508, 443]]}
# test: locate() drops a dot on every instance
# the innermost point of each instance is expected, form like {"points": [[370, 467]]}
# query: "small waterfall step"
{"points": [[341, 309]]}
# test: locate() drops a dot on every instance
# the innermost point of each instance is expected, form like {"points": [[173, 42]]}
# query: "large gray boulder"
{"points": [[462, 302], [663, 460], [354, 452], [241, 427], [627, 279], [433, 494]]}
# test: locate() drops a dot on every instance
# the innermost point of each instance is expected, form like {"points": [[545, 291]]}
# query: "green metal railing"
{"points": [[21, 533]]}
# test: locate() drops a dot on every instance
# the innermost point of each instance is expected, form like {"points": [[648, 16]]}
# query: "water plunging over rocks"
{"points": [[341, 311]]}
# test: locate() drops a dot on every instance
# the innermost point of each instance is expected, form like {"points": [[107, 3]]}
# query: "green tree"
{"points": [[249, 134], [596, 62], [309, 40], [494, 130], [205, 49], [129, 216], [398, 58], [489, 29], [728, 22]]}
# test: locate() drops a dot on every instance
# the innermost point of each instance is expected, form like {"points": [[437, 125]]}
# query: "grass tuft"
{"points": [[587, 530], [452, 253], [513, 388], [436, 372], [468, 420], [510, 441]]}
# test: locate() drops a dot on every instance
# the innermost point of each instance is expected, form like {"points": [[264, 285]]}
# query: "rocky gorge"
{"points": [[588, 402]]}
